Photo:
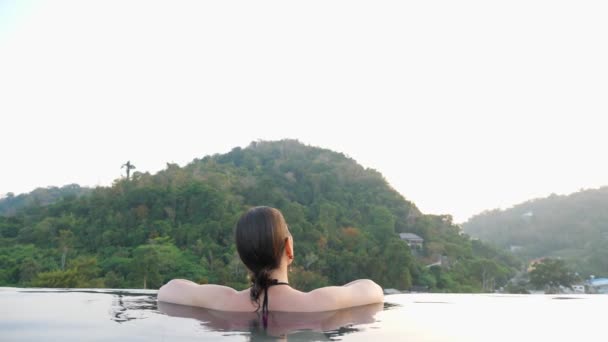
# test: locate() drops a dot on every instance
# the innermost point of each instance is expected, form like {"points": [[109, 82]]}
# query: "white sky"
{"points": [[462, 105]]}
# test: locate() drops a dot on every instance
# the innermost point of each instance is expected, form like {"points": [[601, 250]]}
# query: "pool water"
{"points": [[135, 315]]}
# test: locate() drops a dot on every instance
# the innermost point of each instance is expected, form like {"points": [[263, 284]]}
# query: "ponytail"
{"points": [[260, 281], [261, 234]]}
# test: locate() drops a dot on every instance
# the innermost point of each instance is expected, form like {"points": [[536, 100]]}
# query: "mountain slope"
{"points": [[574, 227], [179, 223], [10, 204]]}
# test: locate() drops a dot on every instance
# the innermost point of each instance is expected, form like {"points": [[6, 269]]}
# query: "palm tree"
{"points": [[65, 239], [129, 167]]}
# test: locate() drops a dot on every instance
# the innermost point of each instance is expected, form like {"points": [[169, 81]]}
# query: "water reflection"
{"points": [[320, 326], [134, 315], [389, 306], [128, 307]]}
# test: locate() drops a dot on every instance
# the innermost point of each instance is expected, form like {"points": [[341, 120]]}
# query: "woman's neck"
{"points": [[280, 274]]}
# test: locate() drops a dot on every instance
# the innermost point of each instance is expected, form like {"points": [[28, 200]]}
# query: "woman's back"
{"points": [[265, 246], [280, 297]]}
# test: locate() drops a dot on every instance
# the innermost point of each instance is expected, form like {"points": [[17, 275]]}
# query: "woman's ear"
{"points": [[289, 248]]}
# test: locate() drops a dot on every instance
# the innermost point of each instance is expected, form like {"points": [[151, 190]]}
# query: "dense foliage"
{"points": [[551, 275], [573, 227], [178, 223], [10, 204]]}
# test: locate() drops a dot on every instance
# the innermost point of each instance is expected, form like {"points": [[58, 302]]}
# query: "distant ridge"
{"points": [[10, 204], [573, 227]]}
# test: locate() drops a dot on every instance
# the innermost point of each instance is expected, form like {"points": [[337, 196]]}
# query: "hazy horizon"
{"points": [[463, 107]]}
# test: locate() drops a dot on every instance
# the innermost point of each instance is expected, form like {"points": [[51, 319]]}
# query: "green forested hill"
{"points": [[10, 204], [573, 227], [179, 223]]}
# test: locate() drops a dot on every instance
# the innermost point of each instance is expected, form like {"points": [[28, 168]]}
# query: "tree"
{"points": [[160, 260], [147, 264], [28, 269], [551, 274], [382, 223], [65, 240], [398, 261], [129, 167], [485, 271], [82, 273]]}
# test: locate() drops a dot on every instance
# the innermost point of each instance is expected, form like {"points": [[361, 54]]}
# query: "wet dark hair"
{"points": [[261, 234]]}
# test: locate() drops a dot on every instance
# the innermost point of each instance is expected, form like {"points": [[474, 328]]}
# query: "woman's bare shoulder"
{"points": [[361, 292], [216, 297]]}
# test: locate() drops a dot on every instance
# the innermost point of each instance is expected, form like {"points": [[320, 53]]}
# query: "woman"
{"points": [[265, 246]]}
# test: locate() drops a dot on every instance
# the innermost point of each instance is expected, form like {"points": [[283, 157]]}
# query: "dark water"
{"points": [[135, 315]]}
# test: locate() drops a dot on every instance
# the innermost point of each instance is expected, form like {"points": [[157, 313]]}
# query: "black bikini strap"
{"points": [[265, 302]]}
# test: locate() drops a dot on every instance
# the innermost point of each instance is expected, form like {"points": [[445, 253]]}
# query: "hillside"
{"points": [[10, 204], [179, 223], [573, 227]]}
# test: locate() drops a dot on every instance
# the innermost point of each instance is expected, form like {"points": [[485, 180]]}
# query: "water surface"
{"points": [[135, 315]]}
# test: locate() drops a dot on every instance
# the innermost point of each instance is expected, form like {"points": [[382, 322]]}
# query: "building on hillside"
{"points": [[532, 264], [578, 288], [412, 240], [515, 248], [597, 285], [442, 261]]}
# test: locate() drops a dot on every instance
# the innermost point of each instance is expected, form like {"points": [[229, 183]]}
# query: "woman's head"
{"points": [[261, 238]]}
